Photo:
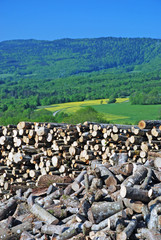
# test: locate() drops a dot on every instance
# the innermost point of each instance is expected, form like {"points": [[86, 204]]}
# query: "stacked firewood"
{"points": [[85, 181]]}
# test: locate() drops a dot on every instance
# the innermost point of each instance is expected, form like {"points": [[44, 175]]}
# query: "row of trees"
{"points": [[143, 98]]}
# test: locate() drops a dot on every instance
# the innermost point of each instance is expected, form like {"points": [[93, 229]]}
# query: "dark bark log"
{"points": [[8, 209], [127, 231], [134, 194], [149, 124]]}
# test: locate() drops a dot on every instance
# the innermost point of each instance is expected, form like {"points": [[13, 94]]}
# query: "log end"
{"points": [[123, 191], [142, 124], [121, 236]]}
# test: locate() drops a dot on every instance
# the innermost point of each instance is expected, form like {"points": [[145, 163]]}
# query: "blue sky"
{"points": [[56, 19]]}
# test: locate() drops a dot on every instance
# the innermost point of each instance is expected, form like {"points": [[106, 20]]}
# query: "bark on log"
{"points": [[103, 210], [43, 215], [134, 194], [110, 221], [134, 205], [153, 221], [139, 174], [8, 209], [72, 231], [148, 234], [50, 229], [148, 124], [127, 231]]}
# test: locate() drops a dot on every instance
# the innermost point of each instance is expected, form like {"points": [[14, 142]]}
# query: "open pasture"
{"points": [[120, 112], [132, 113]]}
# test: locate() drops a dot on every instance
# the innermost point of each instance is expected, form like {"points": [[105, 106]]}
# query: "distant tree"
{"points": [[112, 99], [4, 107]]}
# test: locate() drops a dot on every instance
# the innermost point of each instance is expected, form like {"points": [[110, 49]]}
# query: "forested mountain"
{"points": [[34, 72]]}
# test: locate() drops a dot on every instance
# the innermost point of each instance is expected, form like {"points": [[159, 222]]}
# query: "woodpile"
{"points": [[85, 181]]}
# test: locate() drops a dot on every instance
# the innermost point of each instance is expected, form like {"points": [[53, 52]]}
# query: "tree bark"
{"points": [[127, 231], [102, 210], [134, 194], [43, 215]]}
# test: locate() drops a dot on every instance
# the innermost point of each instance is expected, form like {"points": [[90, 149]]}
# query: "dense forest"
{"points": [[34, 73]]}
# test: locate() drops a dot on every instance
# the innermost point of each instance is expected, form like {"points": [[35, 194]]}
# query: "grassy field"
{"points": [[132, 113], [120, 112]]}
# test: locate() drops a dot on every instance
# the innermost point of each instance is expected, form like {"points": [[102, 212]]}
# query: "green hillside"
{"points": [[36, 72]]}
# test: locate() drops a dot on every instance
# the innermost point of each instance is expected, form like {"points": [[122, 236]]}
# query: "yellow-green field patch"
{"points": [[72, 107]]}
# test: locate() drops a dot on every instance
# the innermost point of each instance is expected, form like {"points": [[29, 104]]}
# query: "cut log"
{"points": [[145, 233], [43, 215], [127, 231], [102, 210], [139, 174], [153, 221], [149, 124], [50, 229], [8, 209], [134, 205], [25, 125], [110, 221], [134, 194]]}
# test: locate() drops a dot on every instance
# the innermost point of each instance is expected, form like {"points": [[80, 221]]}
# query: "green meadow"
{"points": [[130, 114], [98, 110]]}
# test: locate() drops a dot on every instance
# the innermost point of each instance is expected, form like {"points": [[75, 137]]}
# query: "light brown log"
{"points": [[145, 146], [24, 125], [134, 205], [136, 139], [139, 132], [156, 132], [56, 161]]}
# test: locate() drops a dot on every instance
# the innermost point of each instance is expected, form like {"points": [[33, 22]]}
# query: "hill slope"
{"points": [[61, 58], [36, 72]]}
